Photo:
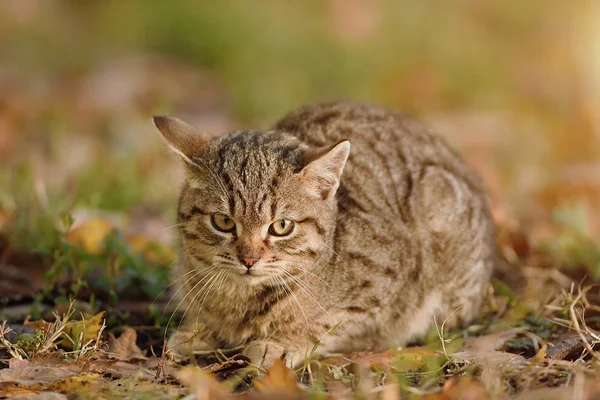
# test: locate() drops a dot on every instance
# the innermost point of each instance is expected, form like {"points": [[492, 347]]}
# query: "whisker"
{"points": [[183, 299], [198, 270], [296, 300], [306, 288], [221, 274], [206, 285], [196, 273], [172, 283], [303, 270]]}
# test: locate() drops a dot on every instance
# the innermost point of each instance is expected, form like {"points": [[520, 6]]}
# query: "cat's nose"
{"points": [[249, 262]]}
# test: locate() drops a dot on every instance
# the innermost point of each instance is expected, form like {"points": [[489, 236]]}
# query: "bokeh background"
{"points": [[513, 85]]}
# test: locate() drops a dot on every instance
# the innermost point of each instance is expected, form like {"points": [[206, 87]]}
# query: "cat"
{"points": [[347, 224]]}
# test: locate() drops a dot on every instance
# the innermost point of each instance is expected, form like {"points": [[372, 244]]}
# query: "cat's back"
{"points": [[384, 143]]}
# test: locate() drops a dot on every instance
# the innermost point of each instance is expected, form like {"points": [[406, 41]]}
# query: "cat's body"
{"points": [[407, 234]]}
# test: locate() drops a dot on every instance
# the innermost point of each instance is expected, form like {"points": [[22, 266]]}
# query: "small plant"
{"points": [[79, 338]]}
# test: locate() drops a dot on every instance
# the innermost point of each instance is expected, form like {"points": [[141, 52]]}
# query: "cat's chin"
{"points": [[251, 279]]}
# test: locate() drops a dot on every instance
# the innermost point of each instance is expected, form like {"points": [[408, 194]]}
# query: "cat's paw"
{"points": [[263, 353]]}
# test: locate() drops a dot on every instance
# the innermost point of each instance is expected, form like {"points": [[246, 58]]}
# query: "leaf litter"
{"points": [[71, 356]]}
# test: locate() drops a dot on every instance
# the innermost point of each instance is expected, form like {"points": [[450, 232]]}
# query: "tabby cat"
{"points": [[280, 249]]}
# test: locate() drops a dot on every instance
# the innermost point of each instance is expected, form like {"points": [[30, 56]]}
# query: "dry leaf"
{"points": [[76, 383], [492, 341], [82, 331], [8, 389], [377, 360], [202, 385], [33, 378], [90, 235], [279, 378], [466, 388], [496, 358], [125, 348], [33, 374], [152, 251], [415, 358]]}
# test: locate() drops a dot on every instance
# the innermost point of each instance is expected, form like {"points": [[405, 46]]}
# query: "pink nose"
{"points": [[249, 262]]}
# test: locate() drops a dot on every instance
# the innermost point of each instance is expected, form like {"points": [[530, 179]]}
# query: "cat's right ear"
{"points": [[182, 138], [321, 175]]}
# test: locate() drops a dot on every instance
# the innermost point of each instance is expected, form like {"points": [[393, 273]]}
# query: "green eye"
{"points": [[283, 227], [222, 222]]}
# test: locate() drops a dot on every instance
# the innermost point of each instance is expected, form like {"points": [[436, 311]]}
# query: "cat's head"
{"points": [[259, 205]]}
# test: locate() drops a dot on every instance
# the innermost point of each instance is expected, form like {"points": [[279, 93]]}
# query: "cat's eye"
{"points": [[283, 227], [222, 222]]}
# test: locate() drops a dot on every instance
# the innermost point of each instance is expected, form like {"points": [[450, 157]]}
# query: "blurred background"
{"points": [[513, 85]]}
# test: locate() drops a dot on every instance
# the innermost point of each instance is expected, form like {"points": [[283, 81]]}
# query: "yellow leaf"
{"points": [[415, 358], [90, 236], [279, 378], [153, 252], [82, 331], [74, 384]]}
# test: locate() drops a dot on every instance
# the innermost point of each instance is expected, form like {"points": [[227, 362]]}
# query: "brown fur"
{"points": [[405, 237]]}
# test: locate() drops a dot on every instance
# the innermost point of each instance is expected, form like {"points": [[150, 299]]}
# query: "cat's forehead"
{"points": [[250, 156], [254, 168]]}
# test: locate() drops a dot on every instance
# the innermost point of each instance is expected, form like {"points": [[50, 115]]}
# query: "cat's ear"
{"points": [[323, 169], [182, 138]]}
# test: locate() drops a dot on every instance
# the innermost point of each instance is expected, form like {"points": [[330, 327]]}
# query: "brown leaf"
{"points": [[497, 358], [279, 378], [9, 389], [492, 341], [466, 388], [33, 374], [33, 377], [585, 390], [125, 348], [202, 384]]}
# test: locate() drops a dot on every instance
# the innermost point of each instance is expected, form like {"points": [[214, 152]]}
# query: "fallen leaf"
{"points": [[33, 378], [152, 251], [377, 360], [90, 235], [125, 348], [9, 389], [497, 358], [202, 384], [76, 383], [33, 374], [278, 378], [492, 341], [466, 388], [122, 369], [415, 358], [82, 331], [586, 390]]}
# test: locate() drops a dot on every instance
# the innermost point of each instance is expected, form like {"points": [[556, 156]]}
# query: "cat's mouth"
{"points": [[250, 276]]}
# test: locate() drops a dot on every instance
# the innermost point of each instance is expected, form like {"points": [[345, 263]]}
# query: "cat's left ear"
{"points": [[182, 138], [321, 175]]}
